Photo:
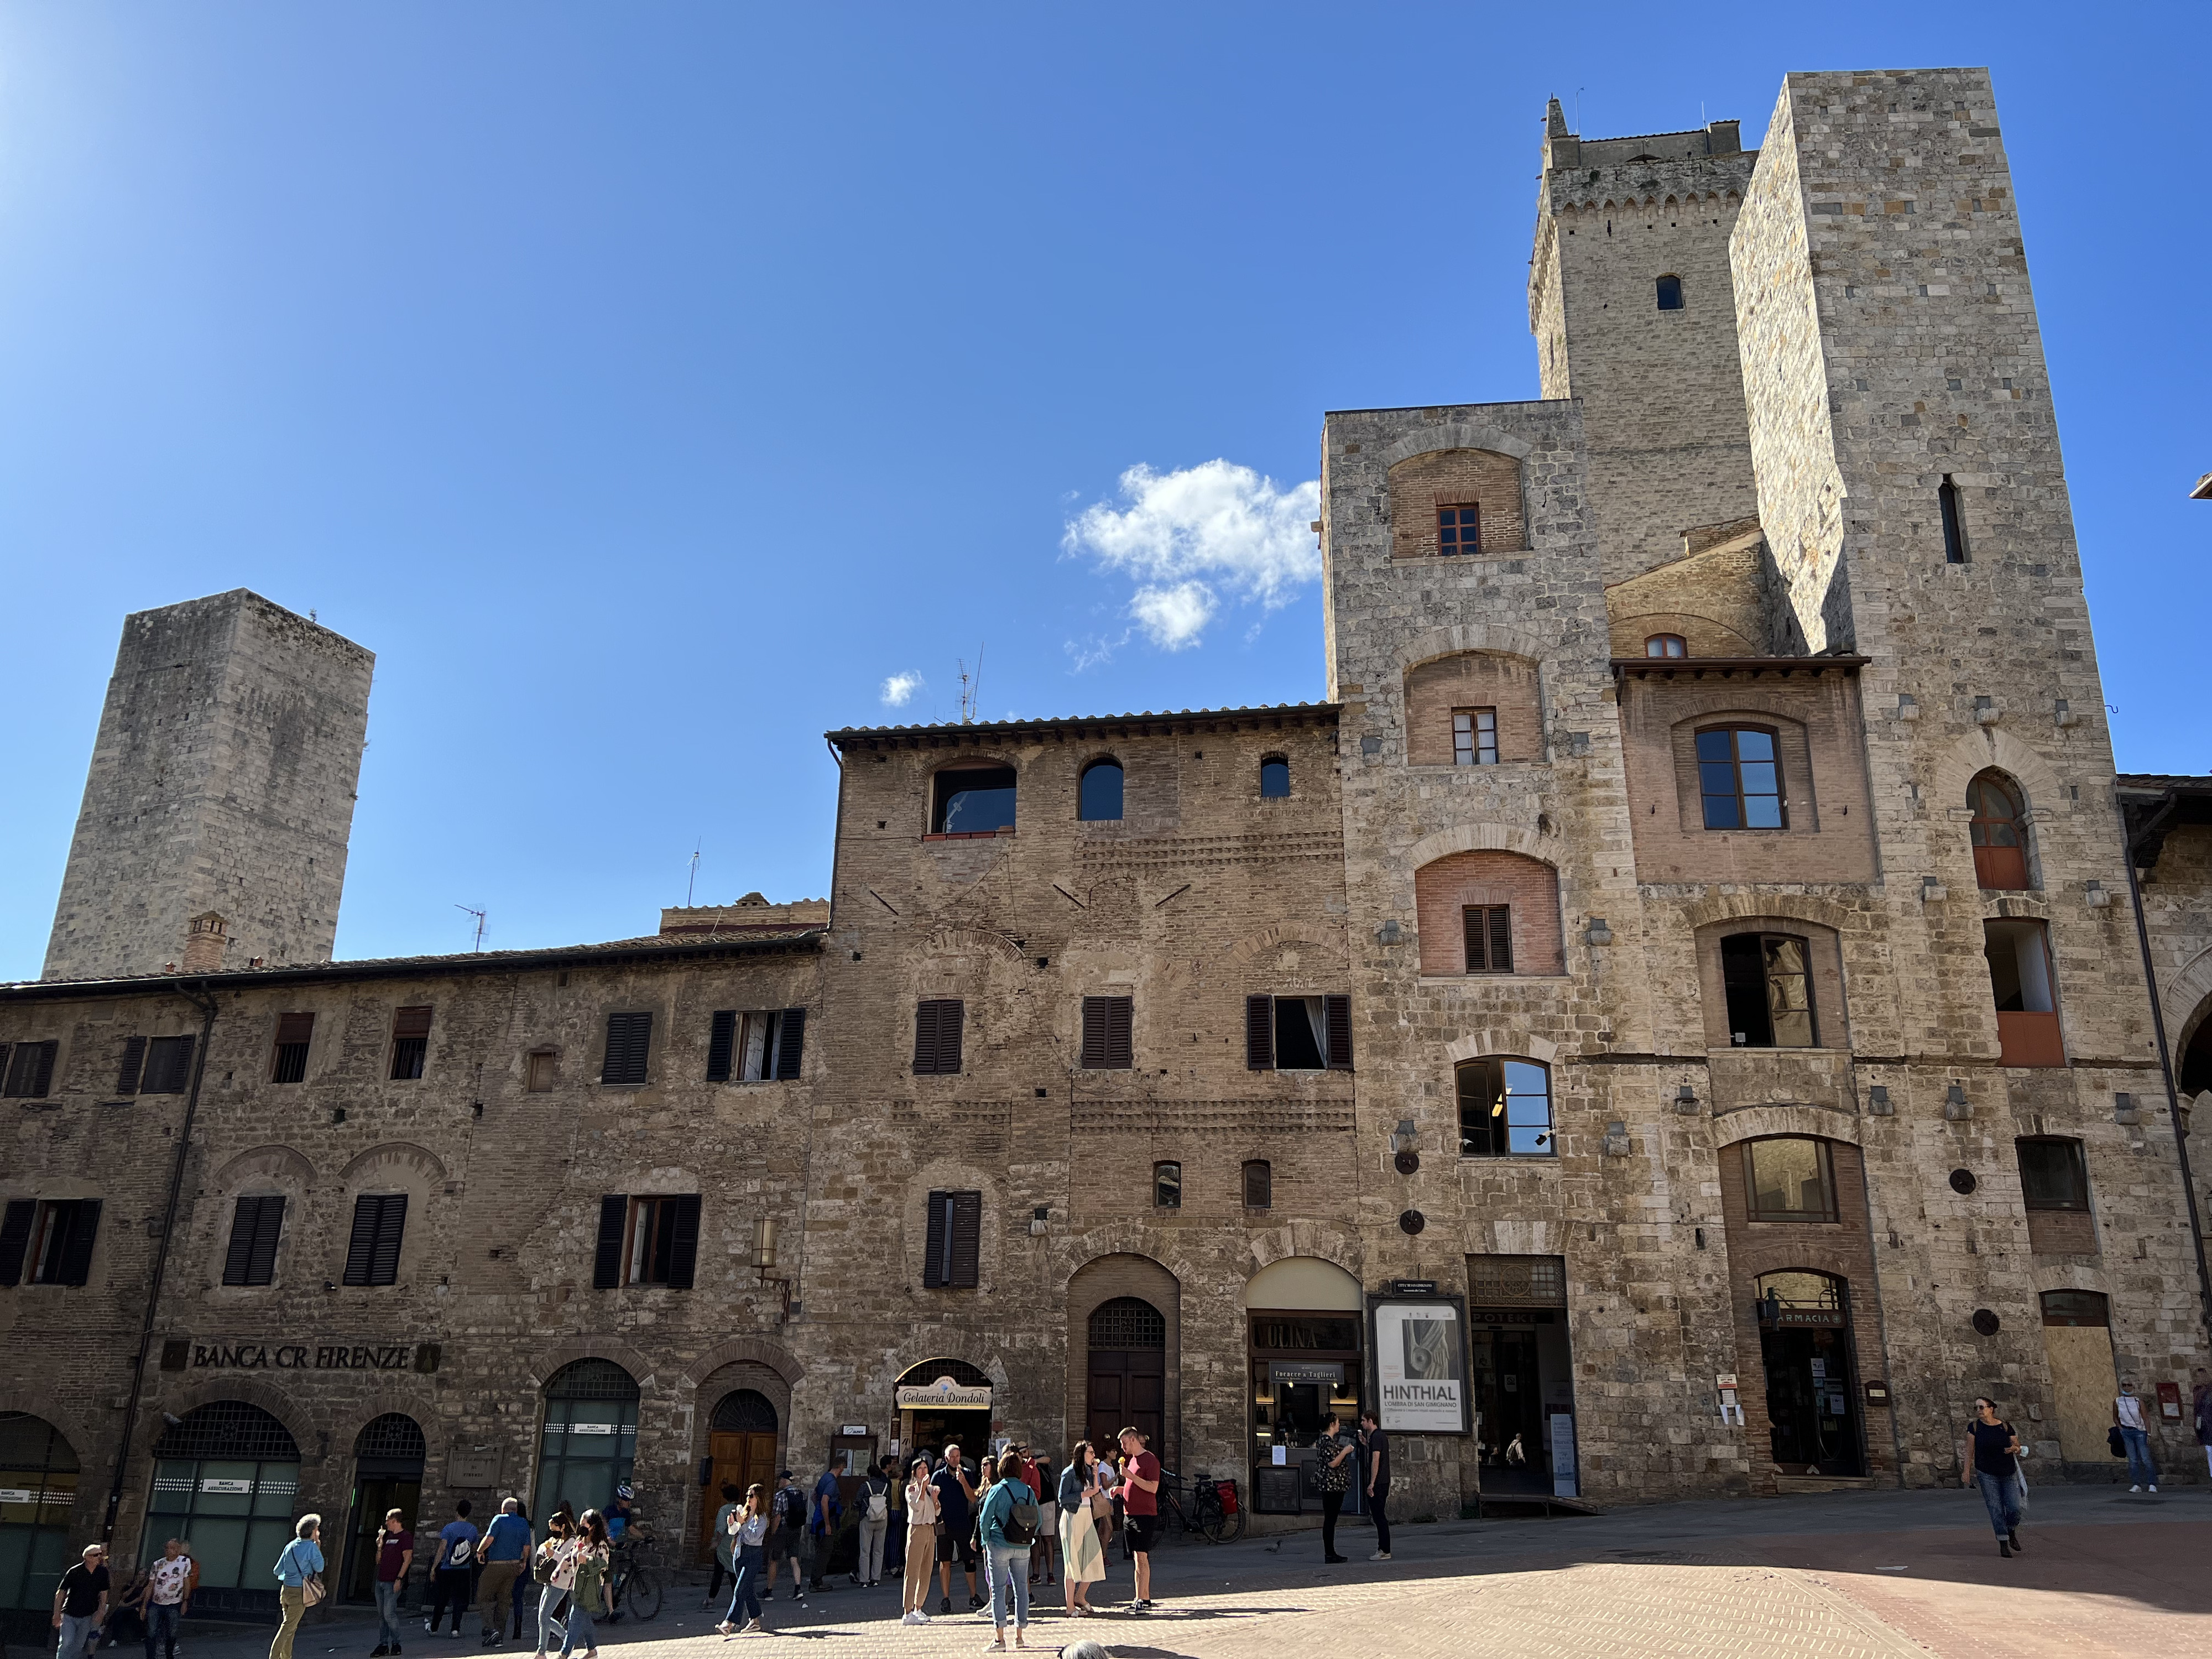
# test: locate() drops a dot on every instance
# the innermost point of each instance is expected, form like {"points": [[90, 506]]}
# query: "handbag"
{"points": [[311, 1589], [542, 1564], [2117, 1440]]}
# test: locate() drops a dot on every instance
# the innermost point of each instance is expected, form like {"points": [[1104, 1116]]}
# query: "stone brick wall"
{"points": [[1715, 599], [223, 779]]}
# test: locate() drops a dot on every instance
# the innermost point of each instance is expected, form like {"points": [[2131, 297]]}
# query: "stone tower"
{"points": [[1661, 391], [220, 794]]}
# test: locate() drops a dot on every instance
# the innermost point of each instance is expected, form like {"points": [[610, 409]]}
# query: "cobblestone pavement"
{"points": [[1863, 1574]]}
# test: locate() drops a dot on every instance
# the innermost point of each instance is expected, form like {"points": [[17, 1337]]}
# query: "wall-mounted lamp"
{"points": [[1402, 1138], [2098, 899], [338, 1114], [2062, 716], [1599, 932], [764, 1231], [1616, 1140], [1955, 1104], [1931, 890], [1908, 705], [476, 1108], [1389, 932], [1038, 1217], [1685, 1100], [2124, 1109], [1878, 1102]]}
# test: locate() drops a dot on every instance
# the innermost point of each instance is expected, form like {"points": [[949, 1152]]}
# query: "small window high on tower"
{"points": [[1954, 527], [1670, 294]]}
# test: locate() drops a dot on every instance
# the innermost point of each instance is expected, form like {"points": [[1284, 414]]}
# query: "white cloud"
{"points": [[1190, 536], [901, 687]]}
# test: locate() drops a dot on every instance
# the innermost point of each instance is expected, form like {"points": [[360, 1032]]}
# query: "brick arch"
{"points": [[1268, 939], [753, 1350], [1431, 477], [1754, 1122], [388, 1396], [280, 1159], [1478, 837], [540, 1367], [2189, 994], [1509, 683], [1492, 637], [1988, 746], [2056, 1273], [85, 1519], [1502, 1040], [958, 941], [1702, 636], [1338, 1245], [1743, 907], [405, 1153]]}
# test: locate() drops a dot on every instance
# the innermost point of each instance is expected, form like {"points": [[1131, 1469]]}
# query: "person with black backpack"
{"points": [[786, 1537], [875, 1502], [1007, 1521]]}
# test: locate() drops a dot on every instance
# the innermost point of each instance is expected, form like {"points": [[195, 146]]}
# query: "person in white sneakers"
{"points": [[921, 1526], [2128, 1418]]}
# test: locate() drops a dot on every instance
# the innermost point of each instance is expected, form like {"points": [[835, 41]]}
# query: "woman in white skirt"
{"points": [[1083, 1557]]}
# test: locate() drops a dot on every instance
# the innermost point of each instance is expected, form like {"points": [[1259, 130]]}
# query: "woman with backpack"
{"points": [[1006, 1523], [875, 1523], [1082, 1555], [584, 1561], [745, 1537]]}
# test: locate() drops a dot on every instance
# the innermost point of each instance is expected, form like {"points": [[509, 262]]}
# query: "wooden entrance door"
{"points": [[741, 1459], [1128, 1389]]}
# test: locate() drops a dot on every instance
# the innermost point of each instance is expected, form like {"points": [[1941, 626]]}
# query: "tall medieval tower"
{"points": [[220, 794]]}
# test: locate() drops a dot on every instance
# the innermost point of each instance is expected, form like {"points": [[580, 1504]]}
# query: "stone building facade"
{"points": [[1673, 1022]]}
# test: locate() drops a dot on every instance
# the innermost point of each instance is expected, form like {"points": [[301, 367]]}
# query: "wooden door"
{"points": [[2084, 1381], [741, 1459], [1128, 1389]]}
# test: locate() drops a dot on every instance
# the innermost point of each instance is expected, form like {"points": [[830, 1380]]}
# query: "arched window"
{"points": [[1505, 1109], [1128, 1322], [744, 1410], [38, 1469], [1099, 798], [391, 1444], [1670, 293], [1769, 982], [1740, 778], [1666, 645], [1274, 778], [590, 1438], [226, 1476], [1789, 1178], [2000, 832]]}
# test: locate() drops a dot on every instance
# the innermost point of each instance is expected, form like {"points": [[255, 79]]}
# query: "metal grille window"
{"points": [[411, 1043], [1769, 986], [1474, 737], [953, 1248], [1106, 1034], [1459, 528], [380, 1221], [1167, 1186], [293, 1032], [256, 1226], [31, 1070], [756, 1046], [937, 1022], [1258, 1184], [1487, 930], [1505, 1109], [1128, 1322], [394, 1437], [744, 1410], [1740, 778], [1518, 1281], [629, 1046]]}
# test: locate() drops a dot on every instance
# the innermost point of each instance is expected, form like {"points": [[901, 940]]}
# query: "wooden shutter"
{"points": [[1106, 1024], [296, 1028], [74, 1267], [1260, 1034], [1094, 1033], [410, 1022], [134, 1064], [934, 1266], [720, 1042], [967, 1239], [31, 1070], [791, 1044], [1501, 938], [606, 1261], [1337, 1013], [169, 1066], [1477, 939], [255, 1228], [937, 1036], [684, 1241], [15, 1238], [240, 1253], [629, 1044], [379, 1222]]}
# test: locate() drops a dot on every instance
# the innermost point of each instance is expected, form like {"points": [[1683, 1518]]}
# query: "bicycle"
{"points": [[1214, 1513], [637, 1577]]}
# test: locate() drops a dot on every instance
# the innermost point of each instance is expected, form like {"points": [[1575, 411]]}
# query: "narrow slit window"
{"points": [[1167, 1186], [1258, 1184], [1474, 737], [1955, 525]]}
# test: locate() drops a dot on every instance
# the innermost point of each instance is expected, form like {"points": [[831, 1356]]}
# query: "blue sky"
{"points": [[647, 386]]}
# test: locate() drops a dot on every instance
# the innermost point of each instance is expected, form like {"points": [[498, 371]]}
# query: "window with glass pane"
{"points": [[1504, 1109], [1788, 1178], [1459, 529], [1167, 1186], [1474, 737], [1998, 830], [590, 1438], [1098, 797], [1740, 778], [226, 1476], [1274, 779], [37, 1492], [1769, 984], [977, 801], [2052, 1174], [1666, 645]]}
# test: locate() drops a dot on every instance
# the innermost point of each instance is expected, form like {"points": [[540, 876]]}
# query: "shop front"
{"points": [[1305, 1359], [1522, 1374], [388, 1457], [38, 1499], [227, 1478], [1812, 1387], [941, 1401]]}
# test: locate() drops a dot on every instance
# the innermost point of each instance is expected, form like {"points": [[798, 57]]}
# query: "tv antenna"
{"points": [[971, 688], [479, 916], [692, 881]]}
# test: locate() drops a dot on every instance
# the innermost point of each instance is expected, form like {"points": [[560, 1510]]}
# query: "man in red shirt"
{"points": [[1140, 1509]]}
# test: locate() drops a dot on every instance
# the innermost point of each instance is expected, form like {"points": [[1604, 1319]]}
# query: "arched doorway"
{"points": [[1128, 1351], [1812, 1373], [387, 1474], [740, 1450], [37, 1490], [227, 1477], [1302, 1323], [590, 1438], [942, 1400]]}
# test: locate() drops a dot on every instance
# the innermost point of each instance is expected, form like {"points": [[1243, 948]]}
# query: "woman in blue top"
{"points": [[1008, 1562], [302, 1559]]}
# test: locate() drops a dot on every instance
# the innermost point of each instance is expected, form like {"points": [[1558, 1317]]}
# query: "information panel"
{"points": [[1420, 1348]]}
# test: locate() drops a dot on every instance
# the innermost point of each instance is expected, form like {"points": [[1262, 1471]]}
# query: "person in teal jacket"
{"points": [[1008, 1561]]}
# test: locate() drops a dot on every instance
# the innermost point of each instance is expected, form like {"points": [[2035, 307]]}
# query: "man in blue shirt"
{"points": [[505, 1548], [452, 1576], [821, 1520]]}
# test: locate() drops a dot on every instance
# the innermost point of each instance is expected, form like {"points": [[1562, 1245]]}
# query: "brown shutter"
{"points": [[380, 1220], [15, 1238], [134, 1064], [1094, 1033], [411, 1023], [721, 1042], [31, 1070], [937, 1036], [1337, 1013], [1120, 1053], [268, 1229], [934, 1266], [1501, 938], [606, 1261], [1477, 937], [967, 1239], [240, 1253], [629, 1046], [294, 1028], [790, 1044], [1260, 1034], [684, 1241]]}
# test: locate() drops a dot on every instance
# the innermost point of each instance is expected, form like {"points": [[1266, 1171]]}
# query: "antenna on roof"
{"points": [[479, 916], [692, 881], [971, 688]]}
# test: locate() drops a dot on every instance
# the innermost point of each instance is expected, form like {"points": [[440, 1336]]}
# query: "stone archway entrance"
{"points": [[741, 1438]]}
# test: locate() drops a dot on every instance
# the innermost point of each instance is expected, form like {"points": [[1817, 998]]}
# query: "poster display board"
{"points": [[1420, 1349]]}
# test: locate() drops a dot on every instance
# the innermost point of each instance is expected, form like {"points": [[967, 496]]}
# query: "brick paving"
{"points": [[1878, 1575]]}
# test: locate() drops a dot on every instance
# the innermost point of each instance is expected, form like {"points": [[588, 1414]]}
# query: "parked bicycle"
{"points": [[1211, 1508], [637, 1577]]}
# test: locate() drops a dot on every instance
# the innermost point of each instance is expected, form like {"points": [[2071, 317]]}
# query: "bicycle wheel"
{"points": [[1218, 1525], [642, 1593]]}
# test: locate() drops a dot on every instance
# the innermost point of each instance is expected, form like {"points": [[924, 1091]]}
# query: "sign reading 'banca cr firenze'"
{"points": [[182, 1353]]}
